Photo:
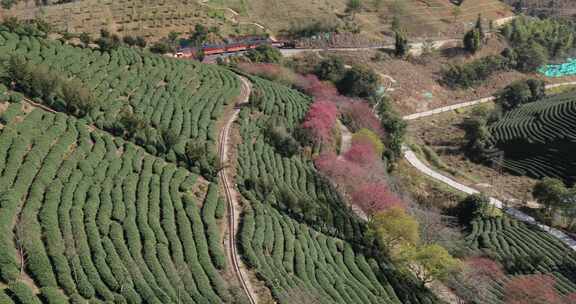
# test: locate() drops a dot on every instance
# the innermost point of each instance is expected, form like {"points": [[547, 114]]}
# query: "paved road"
{"points": [[471, 103], [414, 47], [411, 157], [232, 197]]}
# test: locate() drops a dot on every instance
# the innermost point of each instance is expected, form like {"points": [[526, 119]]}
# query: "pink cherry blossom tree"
{"points": [[361, 152], [374, 197], [532, 289], [320, 121], [358, 115]]}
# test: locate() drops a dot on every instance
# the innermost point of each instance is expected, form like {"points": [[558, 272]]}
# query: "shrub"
{"points": [[469, 74], [331, 69], [23, 293], [476, 206], [53, 296], [358, 81], [264, 53], [520, 92], [212, 229], [220, 208]]}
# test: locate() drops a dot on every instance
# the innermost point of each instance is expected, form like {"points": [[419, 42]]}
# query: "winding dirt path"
{"points": [[234, 208], [345, 139]]}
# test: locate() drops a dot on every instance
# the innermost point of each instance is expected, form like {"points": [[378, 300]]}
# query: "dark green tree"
{"points": [[353, 6], [129, 40], [264, 54], [358, 82], [85, 38], [477, 136], [473, 41], [401, 46], [161, 47], [7, 4], [199, 35], [169, 139], [520, 92], [551, 193], [140, 41], [396, 26], [475, 206], [331, 69], [531, 57], [79, 100], [480, 27]]}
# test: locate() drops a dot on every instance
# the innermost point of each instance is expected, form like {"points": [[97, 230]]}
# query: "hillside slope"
{"points": [[153, 19], [297, 233], [181, 97], [539, 138], [523, 249], [99, 219]]}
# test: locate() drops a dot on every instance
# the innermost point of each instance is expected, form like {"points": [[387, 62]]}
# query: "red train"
{"points": [[232, 48]]}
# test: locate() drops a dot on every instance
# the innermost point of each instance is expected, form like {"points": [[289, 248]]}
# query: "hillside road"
{"points": [[413, 160]]}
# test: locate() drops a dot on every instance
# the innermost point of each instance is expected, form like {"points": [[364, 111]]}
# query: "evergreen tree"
{"points": [[396, 24], [479, 27], [401, 45], [473, 41]]}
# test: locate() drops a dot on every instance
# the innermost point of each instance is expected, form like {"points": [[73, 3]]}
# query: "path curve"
{"points": [[411, 157], [413, 160], [471, 103], [345, 139], [231, 195]]}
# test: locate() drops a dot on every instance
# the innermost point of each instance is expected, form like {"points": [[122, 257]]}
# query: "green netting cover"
{"points": [[558, 70]]}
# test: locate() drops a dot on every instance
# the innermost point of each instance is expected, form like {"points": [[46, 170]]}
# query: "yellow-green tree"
{"points": [[394, 227], [427, 262]]}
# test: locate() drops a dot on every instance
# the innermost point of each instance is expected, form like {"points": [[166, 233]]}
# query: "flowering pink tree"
{"points": [[320, 121], [374, 197], [570, 298], [339, 170], [361, 152], [480, 269], [359, 115], [316, 88], [532, 289]]}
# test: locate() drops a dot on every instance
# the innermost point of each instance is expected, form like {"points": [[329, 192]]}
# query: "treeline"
{"points": [[71, 96], [533, 43], [34, 27], [46, 86]]}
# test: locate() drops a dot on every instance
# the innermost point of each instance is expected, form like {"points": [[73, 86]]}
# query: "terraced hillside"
{"points": [[155, 19], [151, 19], [514, 243], [297, 233], [91, 217], [539, 138], [182, 97]]}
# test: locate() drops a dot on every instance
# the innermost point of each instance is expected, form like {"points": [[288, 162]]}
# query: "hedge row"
{"points": [[103, 221]]}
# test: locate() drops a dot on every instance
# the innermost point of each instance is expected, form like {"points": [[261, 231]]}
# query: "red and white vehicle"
{"points": [[217, 49]]}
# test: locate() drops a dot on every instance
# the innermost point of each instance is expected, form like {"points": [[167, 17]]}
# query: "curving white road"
{"points": [[414, 47], [471, 103], [412, 159]]}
